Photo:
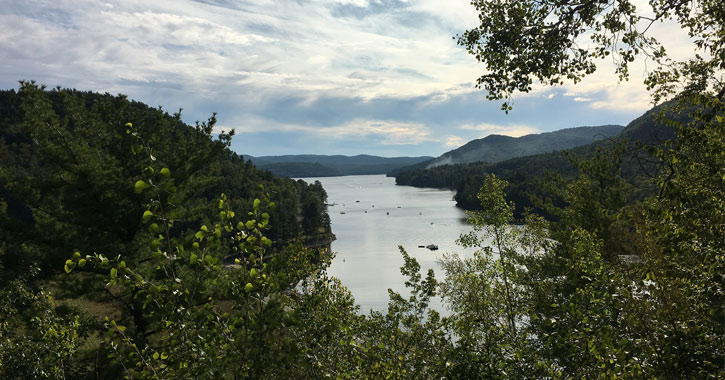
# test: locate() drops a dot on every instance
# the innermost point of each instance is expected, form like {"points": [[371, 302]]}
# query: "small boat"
{"points": [[432, 247], [342, 212], [421, 246]]}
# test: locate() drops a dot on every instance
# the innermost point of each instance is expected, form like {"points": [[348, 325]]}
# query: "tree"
{"points": [[198, 314], [520, 42], [632, 289], [488, 293], [134, 213]]}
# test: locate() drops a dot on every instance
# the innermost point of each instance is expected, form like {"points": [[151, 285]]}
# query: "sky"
{"points": [[380, 77]]}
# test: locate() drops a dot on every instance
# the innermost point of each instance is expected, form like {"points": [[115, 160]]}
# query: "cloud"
{"points": [[292, 76], [218, 129], [387, 132], [253, 41], [513, 130], [453, 141]]}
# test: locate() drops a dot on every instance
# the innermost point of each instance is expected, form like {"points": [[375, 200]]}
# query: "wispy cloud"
{"points": [[386, 132], [354, 74], [513, 130], [454, 141]]}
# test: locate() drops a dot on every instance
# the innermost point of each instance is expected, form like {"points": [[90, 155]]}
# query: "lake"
{"points": [[371, 217]]}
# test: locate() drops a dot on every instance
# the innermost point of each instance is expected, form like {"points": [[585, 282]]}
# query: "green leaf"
{"points": [[69, 264], [193, 259], [140, 186], [81, 262], [249, 287], [257, 203], [114, 273], [165, 172], [156, 355], [146, 216], [250, 224]]}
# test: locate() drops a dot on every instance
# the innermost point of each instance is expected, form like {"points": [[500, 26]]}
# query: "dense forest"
{"points": [[315, 165], [82, 172], [300, 169], [66, 166]]}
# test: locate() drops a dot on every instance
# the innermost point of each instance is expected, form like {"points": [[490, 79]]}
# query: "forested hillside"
{"points": [[314, 165], [299, 169], [526, 174], [495, 148], [67, 177]]}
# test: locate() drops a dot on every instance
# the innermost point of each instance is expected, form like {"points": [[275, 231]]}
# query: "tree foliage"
{"points": [[131, 198], [550, 42]]}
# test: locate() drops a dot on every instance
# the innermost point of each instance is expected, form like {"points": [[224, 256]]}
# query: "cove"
{"points": [[371, 217]]}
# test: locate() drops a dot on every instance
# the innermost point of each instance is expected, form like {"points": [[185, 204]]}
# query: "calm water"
{"points": [[378, 217]]}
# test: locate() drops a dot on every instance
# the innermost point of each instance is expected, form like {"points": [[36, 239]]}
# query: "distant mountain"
{"points": [[311, 165], [496, 148], [300, 169], [523, 173]]}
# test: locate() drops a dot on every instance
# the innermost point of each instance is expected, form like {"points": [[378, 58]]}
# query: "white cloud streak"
{"points": [[386, 131], [513, 130]]}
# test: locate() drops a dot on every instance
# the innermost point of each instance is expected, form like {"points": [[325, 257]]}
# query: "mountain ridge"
{"points": [[495, 148], [523, 172], [316, 165]]}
